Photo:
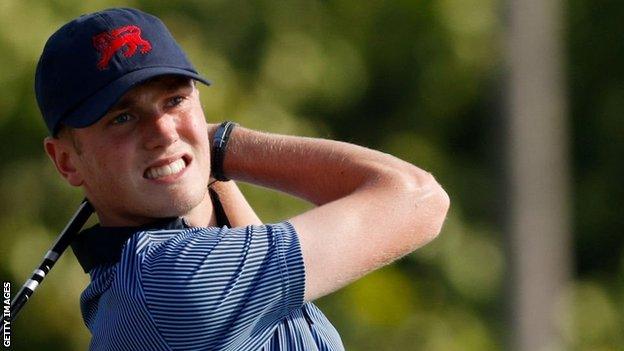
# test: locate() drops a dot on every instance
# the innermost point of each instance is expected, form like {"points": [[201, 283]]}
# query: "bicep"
{"points": [[345, 239]]}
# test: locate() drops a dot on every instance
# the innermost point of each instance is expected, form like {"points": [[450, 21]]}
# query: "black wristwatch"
{"points": [[219, 145]]}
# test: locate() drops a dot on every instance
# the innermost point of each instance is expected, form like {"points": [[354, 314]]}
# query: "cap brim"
{"points": [[96, 106]]}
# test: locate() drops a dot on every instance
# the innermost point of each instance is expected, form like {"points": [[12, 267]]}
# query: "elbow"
{"points": [[441, 203], [430, 204], [419, 204]]}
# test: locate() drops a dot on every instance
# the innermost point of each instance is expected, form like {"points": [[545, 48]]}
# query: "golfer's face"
{"points": [[148, 157]]}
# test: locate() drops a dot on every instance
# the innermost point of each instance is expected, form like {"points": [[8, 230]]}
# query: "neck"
{"points": [[202, 215]]}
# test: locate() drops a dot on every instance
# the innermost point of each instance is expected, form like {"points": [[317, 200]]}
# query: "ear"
{"points": [[62, 153]]}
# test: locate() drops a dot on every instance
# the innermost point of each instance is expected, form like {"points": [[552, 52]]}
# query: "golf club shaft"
{"points": [[64, 239]]}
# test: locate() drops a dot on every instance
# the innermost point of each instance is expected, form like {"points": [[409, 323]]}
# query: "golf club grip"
{"points": [[18, 301], [64, 239]]}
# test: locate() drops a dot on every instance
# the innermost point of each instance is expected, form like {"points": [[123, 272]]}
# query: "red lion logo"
{"points": [[108, 43]]}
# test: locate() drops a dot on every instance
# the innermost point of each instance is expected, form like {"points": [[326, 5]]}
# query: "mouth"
{"points": [[167, 168]]}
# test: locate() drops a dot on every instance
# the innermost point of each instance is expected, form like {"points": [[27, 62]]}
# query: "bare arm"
{"points": [[372, 207], [235, 206]]}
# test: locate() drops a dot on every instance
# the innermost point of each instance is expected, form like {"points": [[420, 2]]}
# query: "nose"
{"points": [[160, 131]]}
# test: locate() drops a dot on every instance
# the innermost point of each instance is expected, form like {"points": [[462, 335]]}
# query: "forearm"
{"points": [[235, 206], [317, 170]]}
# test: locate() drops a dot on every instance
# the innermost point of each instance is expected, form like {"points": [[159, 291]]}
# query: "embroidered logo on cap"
{"points": [[108, 43]]}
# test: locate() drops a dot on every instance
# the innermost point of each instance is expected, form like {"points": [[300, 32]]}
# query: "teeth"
{"points": [[172, 168]]}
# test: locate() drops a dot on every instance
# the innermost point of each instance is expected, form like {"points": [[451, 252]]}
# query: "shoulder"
{"points": [[202, 246], [218, 277]]}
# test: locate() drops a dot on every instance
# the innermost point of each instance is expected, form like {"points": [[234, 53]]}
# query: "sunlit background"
{"points": [[429, 81]]}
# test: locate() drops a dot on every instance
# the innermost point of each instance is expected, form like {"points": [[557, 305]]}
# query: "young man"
{"points": [[119, 98]]}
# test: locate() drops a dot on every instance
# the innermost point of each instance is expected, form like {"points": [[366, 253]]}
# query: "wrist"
{"points": [[220, 138]]}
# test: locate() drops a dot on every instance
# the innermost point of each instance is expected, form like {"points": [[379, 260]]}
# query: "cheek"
{"points": [[108, 162], [196, 130], [197, 138]]}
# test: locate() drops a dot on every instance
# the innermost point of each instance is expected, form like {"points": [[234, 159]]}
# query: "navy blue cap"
{"points": [[91, 62]]}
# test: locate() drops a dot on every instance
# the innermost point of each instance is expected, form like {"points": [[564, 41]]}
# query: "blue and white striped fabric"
{"points": [[206, 289]]}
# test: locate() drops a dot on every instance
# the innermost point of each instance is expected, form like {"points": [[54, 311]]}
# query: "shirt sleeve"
{"points": [[211, 283]]}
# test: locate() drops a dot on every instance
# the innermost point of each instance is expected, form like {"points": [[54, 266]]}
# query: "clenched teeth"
{"points": [[159, 172]]}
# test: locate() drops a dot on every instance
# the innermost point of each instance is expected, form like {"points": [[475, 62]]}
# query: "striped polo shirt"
{"points": [[168, 286]]}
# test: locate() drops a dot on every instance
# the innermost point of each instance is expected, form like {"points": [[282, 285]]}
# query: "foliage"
{"points": [[417, 79]]}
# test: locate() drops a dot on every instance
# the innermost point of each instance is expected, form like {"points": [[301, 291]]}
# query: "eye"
{"points": [[175, 101], [122, 118]]}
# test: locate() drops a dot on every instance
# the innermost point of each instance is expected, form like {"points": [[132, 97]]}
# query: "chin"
{"points": [[175, 206]]}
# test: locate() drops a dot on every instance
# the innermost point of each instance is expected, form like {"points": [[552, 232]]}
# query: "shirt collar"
{"points": [[102, 245], [99, 245]]}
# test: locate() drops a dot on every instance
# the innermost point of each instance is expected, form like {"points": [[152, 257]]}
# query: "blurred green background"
{"points": [[423, 80]]}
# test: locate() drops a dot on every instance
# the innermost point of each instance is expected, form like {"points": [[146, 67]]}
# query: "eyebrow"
{"points": [[122, 104]]}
